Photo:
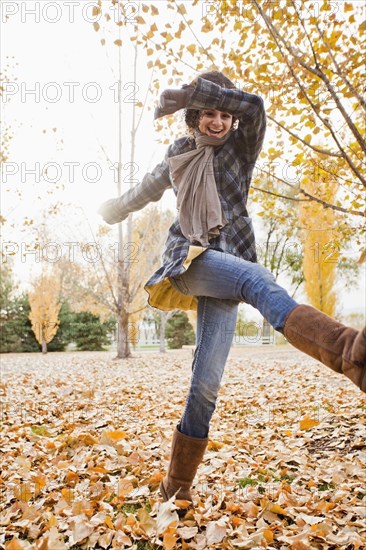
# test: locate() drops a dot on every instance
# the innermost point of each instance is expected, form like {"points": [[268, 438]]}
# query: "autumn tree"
{"points": [[305, 59], [321, 248], [280, 249], [45, 308], [124, 292], [91, 282]]}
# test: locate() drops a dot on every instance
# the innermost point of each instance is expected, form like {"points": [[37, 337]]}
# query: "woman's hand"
{"points": [[111, 211], [172, 100]]}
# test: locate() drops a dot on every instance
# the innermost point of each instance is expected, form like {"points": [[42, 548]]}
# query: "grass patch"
{"points": [[40, 430], [245, 481], [142, 545], [326, 486], [130, 508]]}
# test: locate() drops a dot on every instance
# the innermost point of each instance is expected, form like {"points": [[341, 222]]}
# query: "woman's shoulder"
{"points": [[182, 145]]}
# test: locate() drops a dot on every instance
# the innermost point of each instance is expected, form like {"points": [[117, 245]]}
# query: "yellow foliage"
{"points": [[191, 48], [44, 308], [320, 243]]}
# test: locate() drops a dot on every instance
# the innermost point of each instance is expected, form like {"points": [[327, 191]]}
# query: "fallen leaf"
{"points": [[307, 423], [215, 531], [167, 516]]}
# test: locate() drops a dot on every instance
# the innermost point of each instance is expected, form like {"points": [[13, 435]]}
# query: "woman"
{"points": [[209, 262]]}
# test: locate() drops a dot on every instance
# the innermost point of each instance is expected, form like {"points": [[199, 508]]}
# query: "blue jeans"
{"points": [[221, 281]]}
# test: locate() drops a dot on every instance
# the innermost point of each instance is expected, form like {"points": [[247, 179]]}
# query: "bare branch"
{"points": [[316, 72], [196, 37], [278, 194], [316, 149], [339, 71], [310, 197], [279, 39]]}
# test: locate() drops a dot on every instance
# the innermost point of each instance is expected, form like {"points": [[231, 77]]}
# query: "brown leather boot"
{"points": [[341, 348], [185, 457]]}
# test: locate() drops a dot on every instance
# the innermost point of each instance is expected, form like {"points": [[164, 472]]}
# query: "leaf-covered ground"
{"points": [[86, 440]]}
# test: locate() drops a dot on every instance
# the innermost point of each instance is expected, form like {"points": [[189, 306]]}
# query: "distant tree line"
{"points": [[84, 329]]}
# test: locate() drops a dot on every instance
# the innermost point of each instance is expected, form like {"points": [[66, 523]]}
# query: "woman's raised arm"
{"points": [[150, 189]]}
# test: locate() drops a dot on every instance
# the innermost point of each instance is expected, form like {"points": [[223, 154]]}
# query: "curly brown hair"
{"points": [[192, 117]]}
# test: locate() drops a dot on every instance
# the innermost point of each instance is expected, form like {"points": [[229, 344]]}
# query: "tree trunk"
{"points": [[44, 346], [123, 344], [162, 331], [266, 332]]}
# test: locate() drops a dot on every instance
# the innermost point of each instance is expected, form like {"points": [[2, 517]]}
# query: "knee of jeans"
{"points": [[205, 392], [260, 282]]}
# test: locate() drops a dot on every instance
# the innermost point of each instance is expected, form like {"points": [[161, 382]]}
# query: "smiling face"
{"points": [[215, 123]]}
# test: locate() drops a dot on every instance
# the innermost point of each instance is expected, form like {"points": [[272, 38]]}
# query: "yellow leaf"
{"points": [[307, 423], [118, 42], [236, 521], [116, 435], [154, 10], [277, 509], [191, 48], [182, 9], [14, 544], [23, 492], [169, 541], [155, 479], [268, 535], [72, 478], [96, 26], [168, 37], [140, 20], [52, 521], [97, 469], [108, 521], [347, 7], [68, 495], [207, 27], [182, 503], [131, 520], [39, 482], [88, 439], [214, 445]]}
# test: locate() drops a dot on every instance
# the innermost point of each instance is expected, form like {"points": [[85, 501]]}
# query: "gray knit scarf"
{"points": [[200, 212]]}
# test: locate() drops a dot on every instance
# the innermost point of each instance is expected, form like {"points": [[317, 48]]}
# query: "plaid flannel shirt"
{"points": [[233, 169]]}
